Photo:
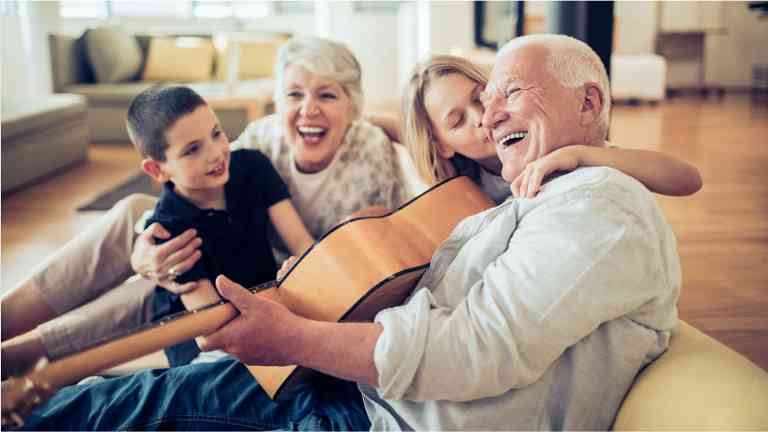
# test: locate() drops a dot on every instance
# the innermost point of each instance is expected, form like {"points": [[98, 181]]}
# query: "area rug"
{"points": [[139, 183]]}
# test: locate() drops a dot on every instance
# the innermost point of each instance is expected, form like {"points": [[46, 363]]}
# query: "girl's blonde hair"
{"points": [[418, 134]]}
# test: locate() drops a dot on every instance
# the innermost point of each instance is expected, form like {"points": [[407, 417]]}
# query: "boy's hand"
{"points": [[165, 262], [528, 183]]}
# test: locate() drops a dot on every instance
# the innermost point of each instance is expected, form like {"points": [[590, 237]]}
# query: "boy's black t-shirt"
{"points": [[235, 240]]}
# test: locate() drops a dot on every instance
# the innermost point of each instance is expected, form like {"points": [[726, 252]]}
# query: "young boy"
{"points": [[227, 197]]}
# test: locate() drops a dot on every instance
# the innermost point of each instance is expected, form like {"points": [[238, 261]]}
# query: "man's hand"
{"points": [[261, 334], [163, 263]]}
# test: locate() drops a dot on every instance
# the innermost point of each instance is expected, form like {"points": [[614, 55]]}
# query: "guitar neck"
{"points": [[146, 340]]}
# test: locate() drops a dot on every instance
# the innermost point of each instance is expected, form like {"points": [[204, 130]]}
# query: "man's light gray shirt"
{"points": [[536, 314]]}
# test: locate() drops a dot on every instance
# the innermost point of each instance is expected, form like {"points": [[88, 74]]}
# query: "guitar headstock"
{"points": [[20, 396]]}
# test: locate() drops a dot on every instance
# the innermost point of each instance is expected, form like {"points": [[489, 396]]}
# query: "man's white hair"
{"points": [[572, 62], [322, 57]]}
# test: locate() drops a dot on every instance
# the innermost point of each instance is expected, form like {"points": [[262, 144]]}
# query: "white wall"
{"points": [[26, 72], [736, 39], [634, 27], [372, 36]]}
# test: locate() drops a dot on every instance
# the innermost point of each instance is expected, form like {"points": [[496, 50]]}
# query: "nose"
{"points": [[494, 115], [477, 117], [216, 152], [309, 106]]}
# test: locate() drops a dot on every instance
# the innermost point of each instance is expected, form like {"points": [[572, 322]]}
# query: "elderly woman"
{"points": [[333, 161]]}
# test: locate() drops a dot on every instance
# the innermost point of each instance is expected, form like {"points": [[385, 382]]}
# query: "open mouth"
{"points": [[311, 133], [220, 169], [513, 138]]}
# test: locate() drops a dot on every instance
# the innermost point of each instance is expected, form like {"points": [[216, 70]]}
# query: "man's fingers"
{"points": [[235, 293]]}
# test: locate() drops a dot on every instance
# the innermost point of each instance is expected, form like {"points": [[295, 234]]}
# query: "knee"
{"points": [[132, 207]]}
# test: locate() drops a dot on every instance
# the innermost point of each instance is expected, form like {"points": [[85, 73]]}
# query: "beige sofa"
{"points": [[109, 67], [41, 137], [698, 384]]}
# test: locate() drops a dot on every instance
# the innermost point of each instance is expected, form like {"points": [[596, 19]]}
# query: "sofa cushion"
{"points": [[256, 57], [180, 59], [40, 113], [113, 53], [69, 61], [100, 94]]}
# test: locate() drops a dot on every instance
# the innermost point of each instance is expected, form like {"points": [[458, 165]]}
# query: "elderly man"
{"points": [[536, 314]]}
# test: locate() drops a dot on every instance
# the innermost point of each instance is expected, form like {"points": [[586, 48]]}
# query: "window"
{"points": [[83, 9], [9, 8], [180, 9]]}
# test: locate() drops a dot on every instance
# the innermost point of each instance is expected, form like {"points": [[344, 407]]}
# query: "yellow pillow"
{"points": [[257, 58], [179, 59]]}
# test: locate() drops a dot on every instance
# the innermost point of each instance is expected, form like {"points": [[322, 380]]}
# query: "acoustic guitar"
{"points": [[358, 268]]}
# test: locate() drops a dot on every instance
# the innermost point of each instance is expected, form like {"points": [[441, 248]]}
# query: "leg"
{"points": [[209, 396], [84, 268], [120, 309]]}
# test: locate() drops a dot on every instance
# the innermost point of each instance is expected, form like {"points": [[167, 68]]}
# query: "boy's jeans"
{"points": [[209, 396]]}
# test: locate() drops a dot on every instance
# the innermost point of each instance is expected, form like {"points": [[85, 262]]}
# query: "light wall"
{"points": [[25, 61], [736, 37]]}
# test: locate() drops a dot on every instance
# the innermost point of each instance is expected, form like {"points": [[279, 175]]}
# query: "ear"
{"points": [[591, 104], [155, 170], [444, 151]]}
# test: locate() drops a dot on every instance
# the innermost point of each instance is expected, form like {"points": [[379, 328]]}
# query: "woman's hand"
{"points": [[528, 183], [163, 263]]}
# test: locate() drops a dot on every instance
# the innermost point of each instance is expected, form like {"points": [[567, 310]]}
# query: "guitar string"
{"points": [[167, 319]]}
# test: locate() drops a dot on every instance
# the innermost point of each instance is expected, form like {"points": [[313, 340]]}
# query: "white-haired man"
{"points": [[536, 314]]}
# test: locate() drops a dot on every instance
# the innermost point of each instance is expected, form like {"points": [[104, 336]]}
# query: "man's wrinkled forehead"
{"points": [[504, 72]]}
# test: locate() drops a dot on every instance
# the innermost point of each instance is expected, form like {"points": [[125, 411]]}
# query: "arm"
{"points": [[660, 173], [289, 225], [554, 284], [390, 123], [267, 333], [203, 295]]}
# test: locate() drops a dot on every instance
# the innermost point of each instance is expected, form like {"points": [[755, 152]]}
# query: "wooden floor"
{"points": [[722, 231]]}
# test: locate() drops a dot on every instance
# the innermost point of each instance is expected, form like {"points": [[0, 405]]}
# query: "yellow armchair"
{"points": [[698, 384]]}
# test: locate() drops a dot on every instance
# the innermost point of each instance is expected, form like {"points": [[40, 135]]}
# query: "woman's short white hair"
{"points": [[574, 63], [325, 58]]}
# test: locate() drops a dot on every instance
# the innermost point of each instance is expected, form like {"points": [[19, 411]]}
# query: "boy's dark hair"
{"points": [[153, 112]]}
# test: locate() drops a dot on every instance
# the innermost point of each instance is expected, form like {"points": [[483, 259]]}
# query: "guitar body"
{"points": [[359, 268], [368, 264]]}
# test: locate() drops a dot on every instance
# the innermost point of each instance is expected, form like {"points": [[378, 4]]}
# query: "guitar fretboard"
{"points": [[169, 318]]}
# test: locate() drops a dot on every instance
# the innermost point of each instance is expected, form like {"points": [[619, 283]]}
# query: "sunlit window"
{"points": [[83, 9], [180, 9]]}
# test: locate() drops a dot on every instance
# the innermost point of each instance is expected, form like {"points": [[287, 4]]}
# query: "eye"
{"points": [[294, 94], [328, 95], [190, 150], [216, 134], [511, 92], [459, 121]]}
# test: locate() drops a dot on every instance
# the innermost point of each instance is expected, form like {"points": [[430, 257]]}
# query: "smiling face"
{"points": [[455, 113], [197, 157], [316, 115], [529, 112]]}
